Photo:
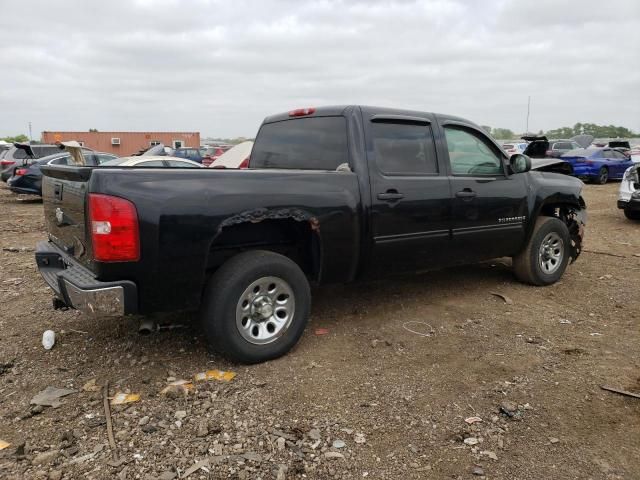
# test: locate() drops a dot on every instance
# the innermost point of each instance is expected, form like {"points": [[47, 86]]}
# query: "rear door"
{"points": [[489, 207], [410, 195]]}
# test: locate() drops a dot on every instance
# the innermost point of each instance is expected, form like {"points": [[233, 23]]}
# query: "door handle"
{"points": [[466, 193], [390, 196]]}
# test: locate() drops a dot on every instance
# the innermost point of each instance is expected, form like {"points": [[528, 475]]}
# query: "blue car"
{"points": [[597, 165]]}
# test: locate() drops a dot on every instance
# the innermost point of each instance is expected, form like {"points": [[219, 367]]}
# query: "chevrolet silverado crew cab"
{"points": [[332, 195]]}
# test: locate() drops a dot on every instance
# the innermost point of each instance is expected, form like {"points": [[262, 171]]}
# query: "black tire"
{"points": [[224, 292], [527, 264], [603, 176], [632, 214]]}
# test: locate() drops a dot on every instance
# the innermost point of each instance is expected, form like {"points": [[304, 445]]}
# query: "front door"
{"points": [[410, 193], [489, 207]]}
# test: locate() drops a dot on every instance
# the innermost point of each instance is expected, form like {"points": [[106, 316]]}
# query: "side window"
{"points": [[60, 161], [469, 154], [314, 143], [152, 163], [401, 148], [104, 158], [178, 163]]}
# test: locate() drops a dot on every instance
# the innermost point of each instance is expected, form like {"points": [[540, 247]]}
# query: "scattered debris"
{"points": [[410, 327], [50, 397], [48, 339], [471, 441], [619, 391], [609, 254], [553, 440], [202, 464], [506, 299], [4, 444], [333, 455], [564, 321], [359, 438], [45, 457], [214, 375], [121, 398], [178, 388], [595, 334], [478, 471], [6, 366], [338, 444], [489, 454], [322, 331], [472, 420], [510, 409], [107, 416], [91, 386]]}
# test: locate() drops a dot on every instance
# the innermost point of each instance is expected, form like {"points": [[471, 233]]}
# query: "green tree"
{"points": [[503, 134], [487, 129], [17, 138], [93, 129]]}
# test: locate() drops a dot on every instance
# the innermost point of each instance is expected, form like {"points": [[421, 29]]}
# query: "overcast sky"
{"points": [[219, 67]]}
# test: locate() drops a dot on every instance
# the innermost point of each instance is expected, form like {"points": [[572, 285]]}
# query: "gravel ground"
{"points": [[369, 399]]}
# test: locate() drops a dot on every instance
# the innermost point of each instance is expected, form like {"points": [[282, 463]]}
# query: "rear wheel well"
{"points": [[294, 239]]}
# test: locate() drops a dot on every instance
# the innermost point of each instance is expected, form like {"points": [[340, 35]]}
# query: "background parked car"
{"points": [[28, 178], [514, 147], [193, 154], [211, 153], [151, 161], [236, 157], [20, 153], [598, 165], [629, 195]]}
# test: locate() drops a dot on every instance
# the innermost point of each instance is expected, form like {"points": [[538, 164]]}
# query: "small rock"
{"points": [[180, 414], [217, 449], [280, 443], [489, 454], [143, 421], [314, 434], [149, 428], [554, 439], [45, 457], [203, 430], [122, 434], [333, 455], [55, 475], [167, 475], [282, 472], [471, 441], [359, 438], [509, 408], [339, 444], [478, 471]]}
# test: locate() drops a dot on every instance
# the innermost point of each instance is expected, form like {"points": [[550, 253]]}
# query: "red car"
{"points": [[211, 153]]}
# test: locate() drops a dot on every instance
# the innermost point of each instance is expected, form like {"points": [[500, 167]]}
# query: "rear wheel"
{"points": [[256, 307], [603, 176], [546, 256], [632, 214]]}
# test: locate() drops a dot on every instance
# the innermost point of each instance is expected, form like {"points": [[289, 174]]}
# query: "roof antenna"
{"points": [[528, 109]]}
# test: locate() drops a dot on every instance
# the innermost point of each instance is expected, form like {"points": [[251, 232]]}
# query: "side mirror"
{"points": [[519, 163]]}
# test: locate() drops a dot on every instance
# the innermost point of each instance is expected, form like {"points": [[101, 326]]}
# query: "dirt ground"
{"points": [[370, 399]]}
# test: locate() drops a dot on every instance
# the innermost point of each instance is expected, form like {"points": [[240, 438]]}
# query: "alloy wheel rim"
{"points": [[265, 310], [551, 253]]}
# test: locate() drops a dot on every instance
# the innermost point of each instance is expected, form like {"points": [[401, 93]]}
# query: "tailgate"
{"points": [[64, 191]]}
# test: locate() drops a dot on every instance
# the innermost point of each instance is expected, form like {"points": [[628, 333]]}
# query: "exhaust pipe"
{"points": [[147, 327]]}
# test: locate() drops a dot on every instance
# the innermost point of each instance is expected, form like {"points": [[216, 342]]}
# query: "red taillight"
{"points": [[206, 161], [245, 163], [6, 163], [301, 112], [114, 229], [20, 171]]}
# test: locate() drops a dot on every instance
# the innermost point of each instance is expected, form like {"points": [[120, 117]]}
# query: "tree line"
{"points": [[598, 131]]}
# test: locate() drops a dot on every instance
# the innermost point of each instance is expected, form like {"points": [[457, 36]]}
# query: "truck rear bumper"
{"points": [[77, 287]]}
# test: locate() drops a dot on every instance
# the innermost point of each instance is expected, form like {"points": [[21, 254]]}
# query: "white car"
{"points": [[236, 157], [629, 195], [512, 148], [151, 161]]}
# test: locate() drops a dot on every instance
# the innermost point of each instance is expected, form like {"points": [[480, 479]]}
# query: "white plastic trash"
{"points": [[48, 339]]}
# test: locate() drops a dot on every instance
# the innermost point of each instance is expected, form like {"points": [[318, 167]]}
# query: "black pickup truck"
{"points": [[333, 194]]}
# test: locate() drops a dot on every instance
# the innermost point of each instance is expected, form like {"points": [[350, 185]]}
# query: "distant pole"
{"points": [[30, 137], [528, 110]]}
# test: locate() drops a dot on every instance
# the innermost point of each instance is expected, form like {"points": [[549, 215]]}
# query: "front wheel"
{"points": [[256, 307], [603, 176], [545, 258]]}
